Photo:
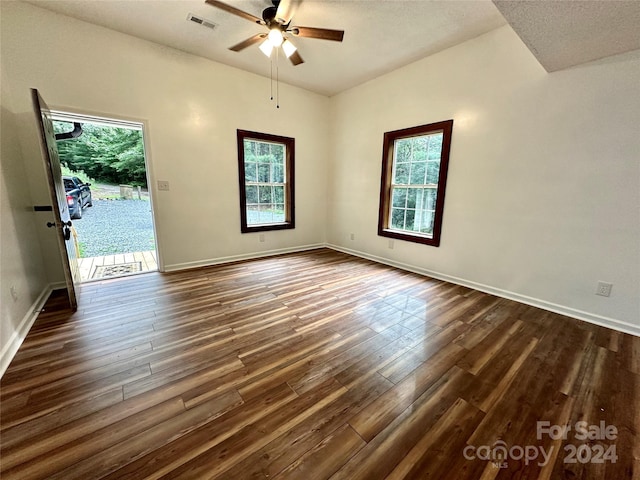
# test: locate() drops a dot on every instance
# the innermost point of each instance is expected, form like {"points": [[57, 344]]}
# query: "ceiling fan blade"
{"points": [[248, 42], [296, 59], [323, 33], [233, 10]]}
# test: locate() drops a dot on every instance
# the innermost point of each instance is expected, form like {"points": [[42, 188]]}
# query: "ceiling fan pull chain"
{"points": [[271, 77], [277, 78]]}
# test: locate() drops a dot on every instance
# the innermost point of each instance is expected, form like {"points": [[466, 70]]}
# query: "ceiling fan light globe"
{"points": [[266, 47], [275, 37], [288, 48]]}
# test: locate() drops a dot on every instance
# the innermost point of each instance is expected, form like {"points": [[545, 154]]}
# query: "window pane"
{"points": [[418, 171], [278, 152], [426, 204], [250, 172], [278, 212], [265, 194], [409, 219], [252, 193], [426, 221], [419, 192], [397, 218], [420, 145], [430, 198], [435, 146], [401, 174], [259, 214], [264, 151], [426, 198], [411, 197], [399, 197], [253, 214], [278, 173], [403, 150], [278, 194], [433, 171], [264, 172], [267, 213], [250, 149]]}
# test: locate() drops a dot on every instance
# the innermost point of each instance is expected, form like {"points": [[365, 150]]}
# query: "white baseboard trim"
{"points": [[236, 258], [535, 302], [10, 349]]}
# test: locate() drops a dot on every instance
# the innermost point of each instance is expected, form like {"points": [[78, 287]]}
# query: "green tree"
{"points": [[108, 154]]}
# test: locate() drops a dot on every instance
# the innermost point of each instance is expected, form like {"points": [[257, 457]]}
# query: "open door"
{"points": [[58, 197]]}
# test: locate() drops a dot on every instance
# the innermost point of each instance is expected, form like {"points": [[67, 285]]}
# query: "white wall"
{"points": [[191, 107], [543, 192], [21, 261]]}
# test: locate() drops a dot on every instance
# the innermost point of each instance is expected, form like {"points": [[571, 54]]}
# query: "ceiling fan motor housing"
{"points": [[269, 15]]}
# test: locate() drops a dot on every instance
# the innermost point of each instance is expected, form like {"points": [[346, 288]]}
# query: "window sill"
{"points": [[267, 227], [410, 237]]}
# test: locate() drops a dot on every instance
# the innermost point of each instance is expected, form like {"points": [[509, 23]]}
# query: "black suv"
{"points": [[78, 195]]}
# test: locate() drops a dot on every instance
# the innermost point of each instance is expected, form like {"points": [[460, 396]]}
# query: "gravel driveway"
{"points": [[115, 226]]}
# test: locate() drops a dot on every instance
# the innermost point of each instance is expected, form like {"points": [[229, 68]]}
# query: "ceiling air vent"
{"points": [[201, 21]]}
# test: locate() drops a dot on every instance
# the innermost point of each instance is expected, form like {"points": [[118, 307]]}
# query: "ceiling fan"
{"points": [[279, 27]]}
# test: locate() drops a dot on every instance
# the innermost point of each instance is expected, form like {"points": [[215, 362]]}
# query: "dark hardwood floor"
{"points": [[315, 365]]}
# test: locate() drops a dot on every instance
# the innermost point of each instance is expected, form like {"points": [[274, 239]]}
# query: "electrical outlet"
{"points": [[14, 293], [391, 244], [261, 238], [604, 289], [352, 236], [163, 185]]}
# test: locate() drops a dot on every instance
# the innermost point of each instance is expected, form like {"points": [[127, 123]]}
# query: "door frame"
{"points": [[74, 114]]}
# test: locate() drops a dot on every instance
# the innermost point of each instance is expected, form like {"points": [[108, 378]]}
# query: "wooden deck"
{"points": [[314, 365], [148, 263]]}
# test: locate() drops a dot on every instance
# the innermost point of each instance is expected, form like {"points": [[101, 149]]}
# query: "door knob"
{"points": [[53, 224]]}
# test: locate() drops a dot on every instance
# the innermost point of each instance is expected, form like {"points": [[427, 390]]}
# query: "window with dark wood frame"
{"points": [[414, 175], [266, 174]]}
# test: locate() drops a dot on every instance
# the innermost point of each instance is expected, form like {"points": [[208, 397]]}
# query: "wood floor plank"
{"points": [[372, 420], [502, 386], [393, 442], [172, 455], [326, 458], [69, 366], [374, 361], [275, 375], [59, 458], [309, 365], [282, 451], [334, 366], [176, 383], [109, 459], [437, 453], [219, 458], [42, 402], [25, 432], [424, 344], [491, 345]]}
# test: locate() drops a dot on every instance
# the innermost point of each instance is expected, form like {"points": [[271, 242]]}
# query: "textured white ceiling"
{"points": [[381, 35], [562, 34]]}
